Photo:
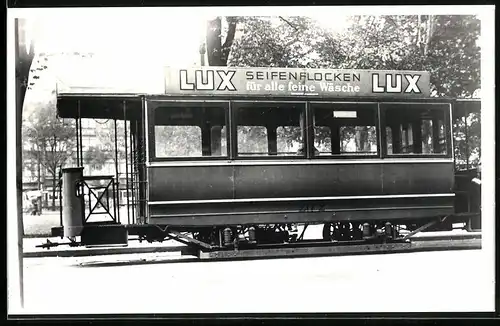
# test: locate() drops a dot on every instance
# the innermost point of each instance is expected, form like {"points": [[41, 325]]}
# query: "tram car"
{"points": [[221, 157]]}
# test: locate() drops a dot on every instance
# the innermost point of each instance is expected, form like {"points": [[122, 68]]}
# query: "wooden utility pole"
{"points": [[203, 51]]}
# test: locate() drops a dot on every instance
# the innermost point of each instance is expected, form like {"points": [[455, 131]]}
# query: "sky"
{"points": [[159, 37], [156, 39], [173, 39]]}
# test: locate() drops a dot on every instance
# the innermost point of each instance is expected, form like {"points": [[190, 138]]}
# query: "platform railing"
{"points": [[96, 192]]}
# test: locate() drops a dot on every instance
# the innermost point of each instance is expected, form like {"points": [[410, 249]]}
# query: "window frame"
{"points": [[237, 104], [446, 109], [373, 105], [154, 104]]}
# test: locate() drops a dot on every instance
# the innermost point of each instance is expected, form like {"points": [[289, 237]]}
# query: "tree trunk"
{"points": [[38, 167], [43, 162], [217, 52], [54, 183], [430, 30]]}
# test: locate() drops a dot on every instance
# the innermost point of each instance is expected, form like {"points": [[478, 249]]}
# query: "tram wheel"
{"points": [[342, 231]]}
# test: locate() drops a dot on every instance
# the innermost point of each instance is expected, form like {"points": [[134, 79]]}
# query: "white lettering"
{"points": [[185, 85], [393, 89], [412, 87], [201, 84], [375, 85], [226, 82]]}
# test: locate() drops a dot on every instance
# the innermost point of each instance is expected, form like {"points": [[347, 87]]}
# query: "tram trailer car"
{"points": [[259, 151]]}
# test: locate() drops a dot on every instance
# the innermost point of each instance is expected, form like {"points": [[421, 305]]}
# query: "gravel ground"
{"points": [[40, 226], [35, 225], [431, 281]]}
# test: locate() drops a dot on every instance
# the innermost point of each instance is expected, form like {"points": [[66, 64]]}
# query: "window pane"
{"points": [[426, 130], [388, 135], [252, 140], [416, 129], [345, 129], [322, 140], [190, 131], [270, 129], [358, 140], [288, 140], [172, 141]]}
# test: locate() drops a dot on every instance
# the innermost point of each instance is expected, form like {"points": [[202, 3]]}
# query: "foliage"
{"points": [[444, 45], [218, 51], [96, 158], [41, 63], [473, 146], [178, 141], [53, 137], [295, 42], [292, 42], [105, 133]]}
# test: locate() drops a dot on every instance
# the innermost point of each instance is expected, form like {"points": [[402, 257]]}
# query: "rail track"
{"points": [[468, 241]]}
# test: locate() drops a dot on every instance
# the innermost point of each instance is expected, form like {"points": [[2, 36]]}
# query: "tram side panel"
{"points": [[247, 194]]}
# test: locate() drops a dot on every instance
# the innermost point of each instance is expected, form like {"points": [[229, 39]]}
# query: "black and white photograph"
{"points": [[250, 160]]}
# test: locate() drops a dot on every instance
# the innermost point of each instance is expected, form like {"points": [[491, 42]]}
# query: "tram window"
{"points": [[252, 140], [358, 140], [288, 140], [190, 131], [270, 129], [323, 140], [183, 141], [416, 129], [345, 129], [219, 141]]}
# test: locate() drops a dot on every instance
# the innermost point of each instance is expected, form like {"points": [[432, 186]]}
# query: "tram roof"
{"points": [[99, 93]]}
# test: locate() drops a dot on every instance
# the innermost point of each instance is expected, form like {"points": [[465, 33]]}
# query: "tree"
{"points": [[294, 42], [95, 158], [444, 45], [105, 132], [55, 139], [218, 52]]}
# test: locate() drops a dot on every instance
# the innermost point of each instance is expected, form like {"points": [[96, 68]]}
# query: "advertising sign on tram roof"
{"points": [[88, 78], [230, 81]]}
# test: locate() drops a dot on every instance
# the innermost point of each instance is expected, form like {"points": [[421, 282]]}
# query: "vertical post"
{"points": [[77, 143], [80, 134], [215, 138], [60, 197], [382, 134], [232, 140], [133, 149], [272, 146], [117, 192], [206, 140], [114, 202], [466, 140], [335, 147], [126, 159], [18, 29], [309, 132], [436, 146]]}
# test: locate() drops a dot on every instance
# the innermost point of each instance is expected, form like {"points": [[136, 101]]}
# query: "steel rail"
{"points": [[306, 249]]}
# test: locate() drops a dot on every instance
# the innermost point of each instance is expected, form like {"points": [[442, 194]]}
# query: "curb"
{"points": [[101, 251]]}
